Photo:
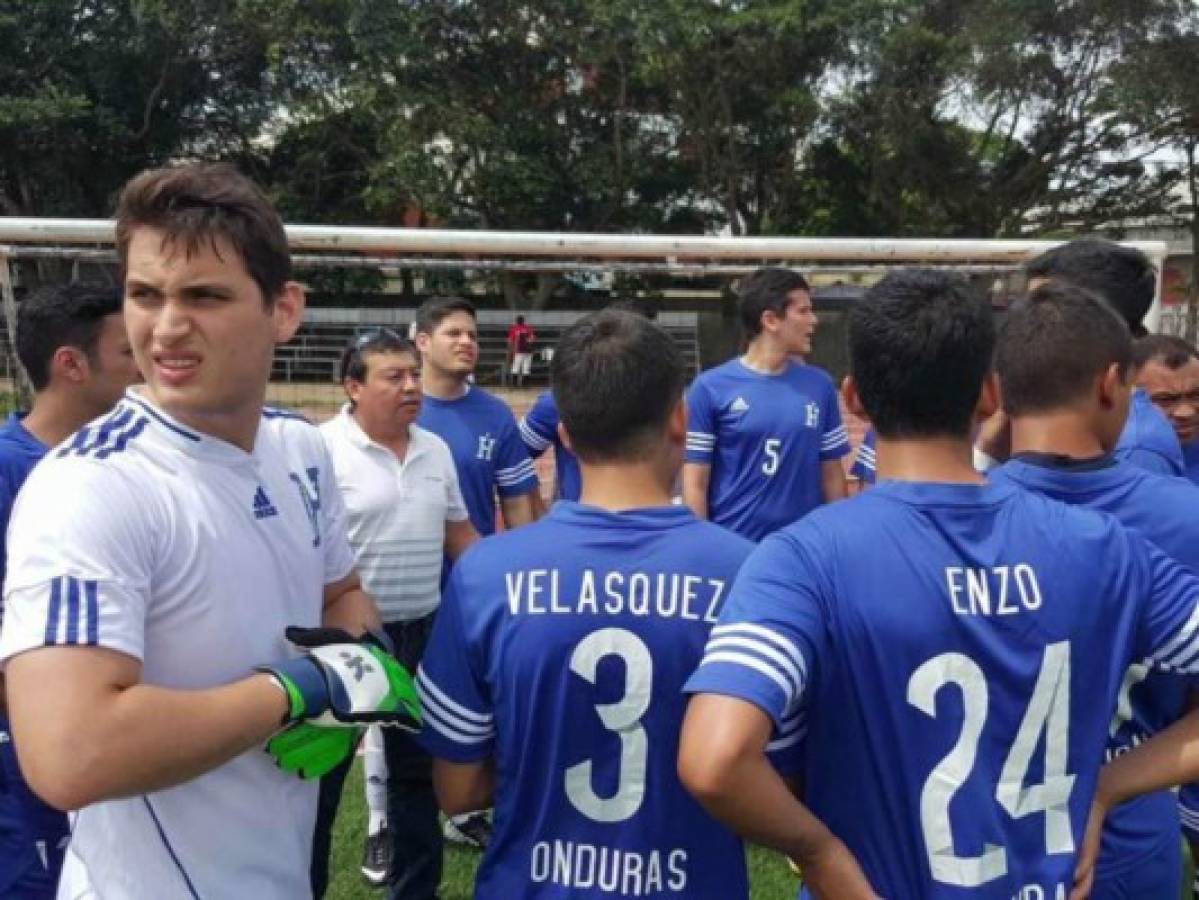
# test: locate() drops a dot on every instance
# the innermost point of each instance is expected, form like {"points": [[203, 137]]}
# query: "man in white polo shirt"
{"points": [[404, 511]]}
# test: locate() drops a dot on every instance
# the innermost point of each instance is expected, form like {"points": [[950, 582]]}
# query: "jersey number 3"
{"points": [[1048, 713], [622, 717]]}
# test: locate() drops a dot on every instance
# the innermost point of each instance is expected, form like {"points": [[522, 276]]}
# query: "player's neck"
{"points": [[237, 426], [442, 385], [939, 460], [623, 486], [1061, 432], [765, 356], [54, 418]]}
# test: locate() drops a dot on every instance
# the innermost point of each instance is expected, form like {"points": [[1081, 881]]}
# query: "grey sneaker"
{"points": [[469, 829], [377, 857]]}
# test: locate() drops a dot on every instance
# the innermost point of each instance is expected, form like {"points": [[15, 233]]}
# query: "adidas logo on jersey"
{"points": [[739, 405], [263, 508]]}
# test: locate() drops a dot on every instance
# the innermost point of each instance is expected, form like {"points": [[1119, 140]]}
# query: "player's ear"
{"points": [[1112, 386], [69, 364], [288, 311], [851, 398], [990, 398], [563, 434], [421, 339], [676, 424]]}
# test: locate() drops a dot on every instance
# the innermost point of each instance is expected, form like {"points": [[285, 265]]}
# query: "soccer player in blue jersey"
{"points": [[553, 677], [479, 428], [1064, 364], [539, 431], [1126, 280], [956, 691], [71, 342], [764, 433], [1167, 370]]}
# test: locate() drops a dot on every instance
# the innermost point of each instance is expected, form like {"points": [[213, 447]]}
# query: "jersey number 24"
{"points": [[1048, 713]]}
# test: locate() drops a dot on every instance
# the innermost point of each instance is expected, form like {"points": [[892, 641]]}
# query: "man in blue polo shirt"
{"points": [[764, 432], [71, 342], [480, 429]]}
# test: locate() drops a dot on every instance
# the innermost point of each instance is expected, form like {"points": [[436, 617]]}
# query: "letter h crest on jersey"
{"points": [[812, 415], [310, 496], [486, 447]]}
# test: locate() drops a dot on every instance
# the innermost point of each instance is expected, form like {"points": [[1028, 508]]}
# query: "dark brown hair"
{"points": [[200, 203]]}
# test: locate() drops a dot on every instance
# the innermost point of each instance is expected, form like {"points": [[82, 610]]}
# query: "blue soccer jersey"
{"points": [[1164, 511], [765, 438], [865, 464], [487, 450], [539, 431], [1148, 439], [957, 690], [33, 836], [561, 649]]}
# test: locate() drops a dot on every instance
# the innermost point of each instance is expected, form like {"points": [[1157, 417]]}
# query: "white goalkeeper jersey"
{"points": [[143, 536]]}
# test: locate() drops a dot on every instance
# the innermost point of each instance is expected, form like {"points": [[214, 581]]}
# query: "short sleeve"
{"points": [[539, 427], [459, 724], [81, 553], [865, 464], [514, 472], [769, 637], [1168, 629], [701, 424], [834, 439], [335, 542]]}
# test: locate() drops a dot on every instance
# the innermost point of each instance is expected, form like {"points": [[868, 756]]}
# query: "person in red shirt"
{"points": [[520, 349]]}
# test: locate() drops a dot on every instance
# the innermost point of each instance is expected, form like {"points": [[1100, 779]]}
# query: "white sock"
{"points": [[375, 822], [374, 764]]}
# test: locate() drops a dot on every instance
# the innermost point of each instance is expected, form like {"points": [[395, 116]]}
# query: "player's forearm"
{"points": [[352, 611], [463, 787], [519, 510], [695, 489], [1168, 759], [126, 741], [832, 481]]}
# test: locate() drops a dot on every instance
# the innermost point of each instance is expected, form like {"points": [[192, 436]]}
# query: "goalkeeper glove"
{"points": [[312, 751], [342, 681]]}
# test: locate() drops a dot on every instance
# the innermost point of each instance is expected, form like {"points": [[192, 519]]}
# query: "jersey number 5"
{"points": [[1048, 713], [622, 717], [771, 449]]}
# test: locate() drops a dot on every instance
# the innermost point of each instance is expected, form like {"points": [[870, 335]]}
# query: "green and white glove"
{"points": [[312, 751], [341, 681]]}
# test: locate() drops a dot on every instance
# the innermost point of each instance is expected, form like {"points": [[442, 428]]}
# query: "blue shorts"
{"points": [[33, 836]]}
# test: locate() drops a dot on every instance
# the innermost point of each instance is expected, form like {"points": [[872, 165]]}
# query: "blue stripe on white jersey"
{"points": [[73, 616]]}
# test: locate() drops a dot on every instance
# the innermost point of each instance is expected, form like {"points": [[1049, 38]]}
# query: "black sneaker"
{"points": [[469, 829], [377, 857]]}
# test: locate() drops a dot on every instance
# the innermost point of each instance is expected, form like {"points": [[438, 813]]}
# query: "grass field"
{"points": [[770, 879]]}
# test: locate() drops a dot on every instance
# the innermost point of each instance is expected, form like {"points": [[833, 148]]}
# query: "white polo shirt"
{"points": [[396, 511], [190, 555]]}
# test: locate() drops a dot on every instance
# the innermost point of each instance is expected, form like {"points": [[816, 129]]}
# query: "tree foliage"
{"points": [[853, 117]]}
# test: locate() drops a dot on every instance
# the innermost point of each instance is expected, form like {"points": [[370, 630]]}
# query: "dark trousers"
{"points": [[411, 804]]}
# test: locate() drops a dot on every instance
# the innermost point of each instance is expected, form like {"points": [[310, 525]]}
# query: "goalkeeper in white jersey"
{"points": [[156, 559]]}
